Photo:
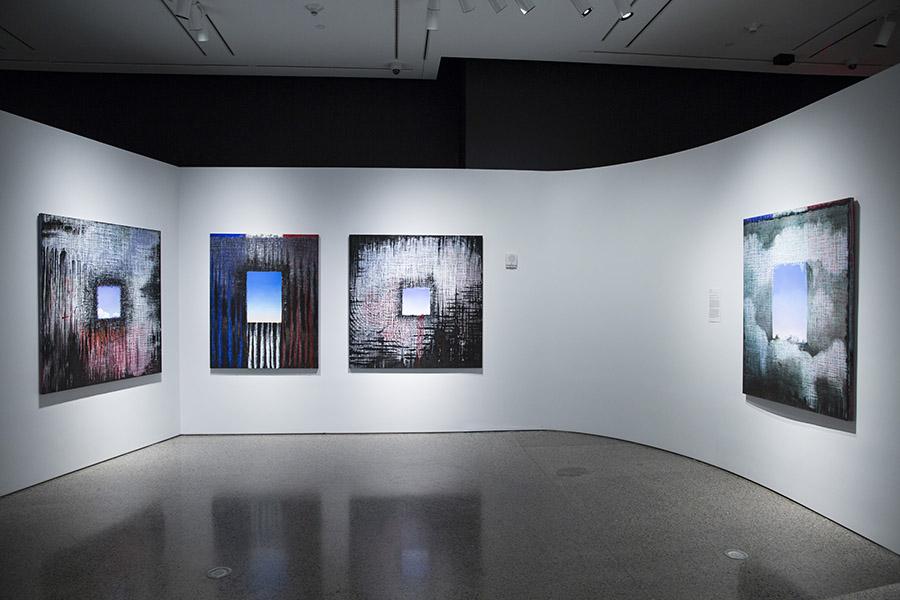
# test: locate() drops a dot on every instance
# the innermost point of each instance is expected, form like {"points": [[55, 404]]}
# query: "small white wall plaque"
{"points": [[512, 261], [715, 305]]}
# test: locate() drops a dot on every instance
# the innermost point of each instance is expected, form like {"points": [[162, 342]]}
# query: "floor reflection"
{"points": [[272, 544], [125, 560], [415, 547]]}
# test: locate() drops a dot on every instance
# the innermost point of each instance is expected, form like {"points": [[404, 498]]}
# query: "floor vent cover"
{"points": [[218, 572]]}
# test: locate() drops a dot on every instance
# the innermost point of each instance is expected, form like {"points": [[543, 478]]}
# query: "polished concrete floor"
{"points": [[483, 515]]}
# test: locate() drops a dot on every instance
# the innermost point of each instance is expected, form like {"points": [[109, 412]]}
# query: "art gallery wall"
{"points": [[44, 170], [603, 328]]}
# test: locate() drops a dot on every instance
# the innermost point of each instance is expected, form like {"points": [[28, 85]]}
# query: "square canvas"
{"points": [[263, 301], [415, 301], [799, 307], [99, 301]]}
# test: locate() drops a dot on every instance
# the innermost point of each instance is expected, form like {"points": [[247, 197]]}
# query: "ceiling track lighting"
{"points": [[196, 23], [526, 6], [582, 7], [497, 5], [623, 7], [183, 9], [431, 16], [886, 32], [466, 6]]}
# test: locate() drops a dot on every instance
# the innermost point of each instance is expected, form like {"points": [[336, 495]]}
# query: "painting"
{"points": [[99, 302], [415, 301], [800, 307], [263, 301]]}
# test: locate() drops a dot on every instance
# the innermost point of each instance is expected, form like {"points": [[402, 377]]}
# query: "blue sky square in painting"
{"points": [[790, 302], [264, 297], [109, 302], [416, 301]]}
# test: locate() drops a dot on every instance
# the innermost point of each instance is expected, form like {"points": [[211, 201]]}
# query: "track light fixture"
{"points": [[431, 17], [886, 32], [497, 5], [623, 7], [526, 6], [196, 22], [582, 7], [183, 9], [466, 6]]}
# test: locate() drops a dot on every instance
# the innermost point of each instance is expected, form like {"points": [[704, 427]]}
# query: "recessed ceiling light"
{"points": [[466, 6], [582, 7], [623, 7], [315, 8]]}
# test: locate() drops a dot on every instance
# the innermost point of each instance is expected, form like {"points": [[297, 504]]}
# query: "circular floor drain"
{"points": [[737, 554], [218, 572], [571, 472]]}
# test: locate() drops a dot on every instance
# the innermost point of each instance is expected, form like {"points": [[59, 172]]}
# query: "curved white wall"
{"points": [[603, 329]]}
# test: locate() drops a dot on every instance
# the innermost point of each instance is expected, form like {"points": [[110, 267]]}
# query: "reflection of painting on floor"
{"points": [[99, 290], [263, 303], [799, 307], [415, 301]]}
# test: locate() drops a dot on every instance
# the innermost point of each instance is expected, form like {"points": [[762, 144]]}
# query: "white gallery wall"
{"points": [[603, 328], [44, 170]]}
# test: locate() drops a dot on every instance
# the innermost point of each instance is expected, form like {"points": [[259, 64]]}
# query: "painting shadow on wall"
{"points": [[803, 416], [265, 372], [473, 371], [61, 397]]}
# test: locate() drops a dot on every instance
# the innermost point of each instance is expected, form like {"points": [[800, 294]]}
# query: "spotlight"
{"points": [[582, 6], [623, 7], [183, 9], [497, 5], [885, 33], [526, 6], [466, 6], [431, 17], [196, 25]]}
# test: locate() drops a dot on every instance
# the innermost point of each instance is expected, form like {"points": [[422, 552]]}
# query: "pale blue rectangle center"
{"points": [[264, 296], [109, 302], [790, 303], [416, 301]]}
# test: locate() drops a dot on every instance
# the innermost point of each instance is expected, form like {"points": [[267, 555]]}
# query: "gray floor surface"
{"points": [[469, 515]]}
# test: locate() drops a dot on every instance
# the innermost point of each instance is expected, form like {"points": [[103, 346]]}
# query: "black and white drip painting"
{"points": [[799, 307], [415, 301]]}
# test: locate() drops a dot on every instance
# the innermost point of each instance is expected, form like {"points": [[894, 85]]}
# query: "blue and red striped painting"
{"points": [[263, 301]]}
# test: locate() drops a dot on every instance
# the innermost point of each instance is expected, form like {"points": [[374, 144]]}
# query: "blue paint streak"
{"points": [[760, 218]]}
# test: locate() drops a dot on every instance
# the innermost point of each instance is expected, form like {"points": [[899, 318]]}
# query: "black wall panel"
{"points": [[478, 114]]}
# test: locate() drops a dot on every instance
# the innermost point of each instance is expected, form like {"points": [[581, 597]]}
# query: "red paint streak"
{"points": [[105, 352], [827, 204]]}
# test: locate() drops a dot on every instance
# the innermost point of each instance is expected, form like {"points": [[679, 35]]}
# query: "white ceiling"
{"points": [[356, 38]]}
